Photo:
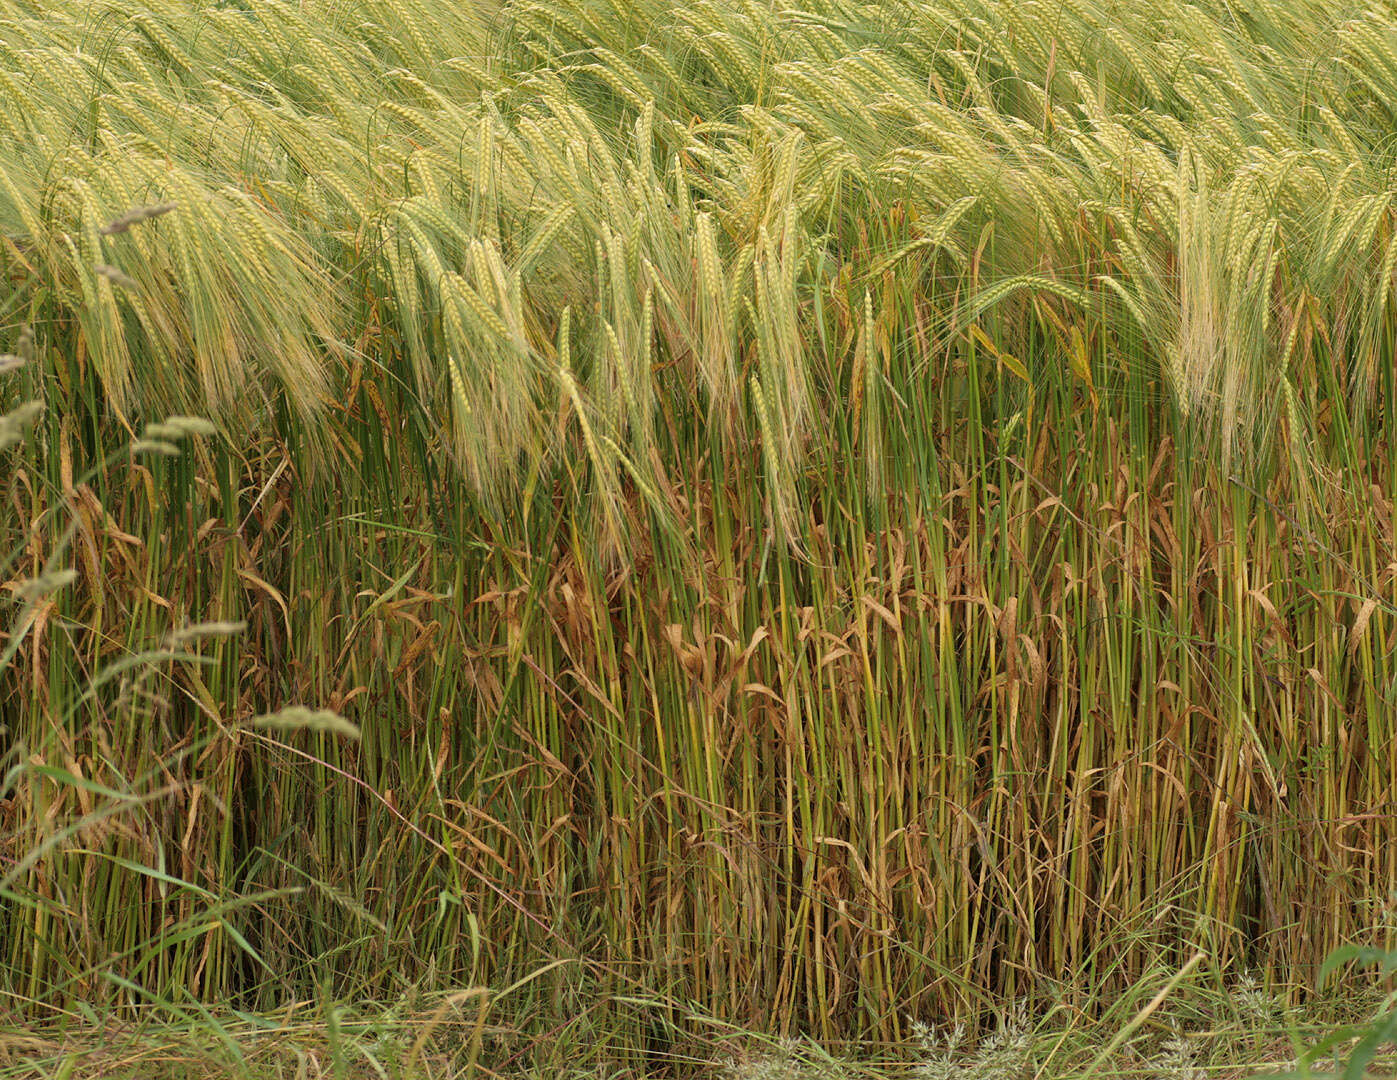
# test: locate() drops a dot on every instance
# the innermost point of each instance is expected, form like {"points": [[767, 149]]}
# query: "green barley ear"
{"points": [[155, 446], [161, 437], [188, 426], [15, 424], [872, 432], [603, 471], [302, 718], [778, 485], [200, 631], [23, 354], [45, 584]]}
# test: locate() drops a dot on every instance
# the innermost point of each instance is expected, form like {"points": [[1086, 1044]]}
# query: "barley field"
{"points": [[616, 523]]}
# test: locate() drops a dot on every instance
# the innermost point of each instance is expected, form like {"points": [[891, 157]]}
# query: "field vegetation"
{"points": [[823, 520]]}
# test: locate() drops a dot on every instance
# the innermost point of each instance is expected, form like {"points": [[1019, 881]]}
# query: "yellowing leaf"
{"points": [[1013, 363], [1081, 363]]}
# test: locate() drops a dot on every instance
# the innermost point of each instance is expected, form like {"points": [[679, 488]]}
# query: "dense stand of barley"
{"points": [[822, 514]]}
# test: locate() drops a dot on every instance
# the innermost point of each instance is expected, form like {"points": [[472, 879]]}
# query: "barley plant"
{"points": [[822, 518]]}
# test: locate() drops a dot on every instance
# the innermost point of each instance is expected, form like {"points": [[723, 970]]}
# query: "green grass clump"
{"points": [[821, 518]]}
